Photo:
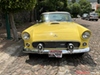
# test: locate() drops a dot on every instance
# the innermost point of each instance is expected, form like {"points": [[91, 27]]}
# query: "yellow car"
{"points": [[56, 34]]}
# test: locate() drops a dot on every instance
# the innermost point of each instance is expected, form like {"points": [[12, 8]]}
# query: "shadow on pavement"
{"points": [[85, 25], [71, 60]]}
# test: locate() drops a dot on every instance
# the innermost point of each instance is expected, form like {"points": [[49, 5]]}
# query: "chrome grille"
{"points": [[56, 44]]}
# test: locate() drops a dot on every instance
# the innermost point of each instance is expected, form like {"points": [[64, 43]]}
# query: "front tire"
{"points": [[81, 54], [96, 19], [30, 56]]}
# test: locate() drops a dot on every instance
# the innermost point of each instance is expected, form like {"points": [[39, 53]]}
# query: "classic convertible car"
{"points": [[56, 34]]}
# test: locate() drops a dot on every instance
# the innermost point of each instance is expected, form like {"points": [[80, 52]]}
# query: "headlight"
{"points": [[25, 36], [86, 35]]}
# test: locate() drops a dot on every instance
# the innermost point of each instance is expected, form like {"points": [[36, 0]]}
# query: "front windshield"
{"points": [[56, 17], [94, 14]]}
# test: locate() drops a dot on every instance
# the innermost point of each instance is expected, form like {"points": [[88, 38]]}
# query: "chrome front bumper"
{"points": [[63, 51]]}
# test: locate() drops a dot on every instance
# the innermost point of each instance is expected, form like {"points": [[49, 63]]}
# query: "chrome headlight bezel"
{"points": [[25, 36], [86, 35]]}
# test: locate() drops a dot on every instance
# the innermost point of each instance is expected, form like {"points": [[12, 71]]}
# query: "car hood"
{"points": [[56, 31], [55, 27]]}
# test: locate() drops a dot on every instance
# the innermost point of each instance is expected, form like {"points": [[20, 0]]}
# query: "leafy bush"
{"points": [[85, 6], [74, 9], [98, 11]]}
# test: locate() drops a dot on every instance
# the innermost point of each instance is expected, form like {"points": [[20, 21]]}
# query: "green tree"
{"points": [[74, 9], [12, 6], [85, 6], [52, 5], [73, 1], [98, 11]]}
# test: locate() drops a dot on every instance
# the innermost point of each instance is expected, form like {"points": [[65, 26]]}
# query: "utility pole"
{"points": [[8, 27]]}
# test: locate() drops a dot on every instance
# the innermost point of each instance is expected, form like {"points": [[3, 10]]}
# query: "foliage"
{"points": [[16, 5], [11, 6], [85, 6], [52, 5], [98, 11], [74, 9], [73, 1]]}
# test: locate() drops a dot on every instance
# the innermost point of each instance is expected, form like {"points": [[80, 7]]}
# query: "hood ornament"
{"points": [[55, 35]]}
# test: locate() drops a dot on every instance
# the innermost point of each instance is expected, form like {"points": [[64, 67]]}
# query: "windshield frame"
{"points": [[58, 17]]}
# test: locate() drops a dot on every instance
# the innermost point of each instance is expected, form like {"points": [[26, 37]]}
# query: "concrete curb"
{"points": [[10, 54]]}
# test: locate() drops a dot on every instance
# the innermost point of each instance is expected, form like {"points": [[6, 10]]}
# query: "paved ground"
{"points": [[20, 64]]}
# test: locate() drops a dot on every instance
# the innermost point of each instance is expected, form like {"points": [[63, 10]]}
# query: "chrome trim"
{"points": [[58, 41], [63, 51], [73, 42]]}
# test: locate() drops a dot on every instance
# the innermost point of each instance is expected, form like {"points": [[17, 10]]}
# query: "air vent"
{"points": [[54, 23]]}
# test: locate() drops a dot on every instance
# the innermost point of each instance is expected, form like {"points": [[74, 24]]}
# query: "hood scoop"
{"points": [[54, 23]]}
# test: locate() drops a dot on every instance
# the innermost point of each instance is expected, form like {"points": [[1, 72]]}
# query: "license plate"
{"points": [[55, 53]]}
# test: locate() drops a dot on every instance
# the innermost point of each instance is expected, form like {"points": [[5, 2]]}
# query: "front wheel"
{"points": [[32, 55], [96, 19], [81, 54]]}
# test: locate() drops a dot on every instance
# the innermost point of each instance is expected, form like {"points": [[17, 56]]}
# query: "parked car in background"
{"points": [[56, 34], [92, 16], [84, 16]]}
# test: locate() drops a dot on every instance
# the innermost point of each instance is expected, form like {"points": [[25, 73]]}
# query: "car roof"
{"points": [[55, 12]]}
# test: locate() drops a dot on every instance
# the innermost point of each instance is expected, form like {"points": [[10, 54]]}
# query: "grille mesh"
{"points": [[56, 44]]}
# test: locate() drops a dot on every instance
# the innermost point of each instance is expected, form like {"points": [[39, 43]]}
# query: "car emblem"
{"points": [[55, 35]]}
